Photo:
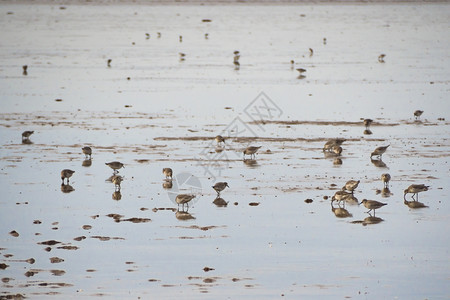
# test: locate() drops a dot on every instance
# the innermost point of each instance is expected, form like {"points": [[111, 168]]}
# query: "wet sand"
{"points": [[274, 232]]}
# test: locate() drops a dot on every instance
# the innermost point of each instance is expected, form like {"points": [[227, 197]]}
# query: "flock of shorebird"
{"points": [[332, 146]]}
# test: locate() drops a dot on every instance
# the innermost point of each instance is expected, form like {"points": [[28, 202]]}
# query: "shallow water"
{"points": [[267, 241]]}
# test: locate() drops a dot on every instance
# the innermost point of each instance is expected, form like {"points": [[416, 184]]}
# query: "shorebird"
{"points": [[117, 179], [415, 189], [324, 41], [66, 173], [337, 150], [301, 71], [87, 151], [147, 36], [115, 165], [220, 139], [381, 58], [386, 178], [158, 34], [181, 38], [367, 123], [379, 151], [251, 151], [219, 186], [372, 204], [109, 63], [182, 56], [167, 172], [331, 143], [25, 72], [340, 196], [236, 60], [350, 186], [26, 134], [292, 64], [184, 199], [311, 52], [417, 114], [206, 36]]}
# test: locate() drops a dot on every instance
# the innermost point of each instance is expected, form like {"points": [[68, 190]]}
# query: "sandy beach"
{"points": [[274, 232]]}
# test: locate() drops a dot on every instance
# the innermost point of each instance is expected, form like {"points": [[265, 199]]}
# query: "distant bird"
{"points": [[381, 58], [184, 199], [311, 52], [415, 189], [117, 179], [66, 173], [147, 36], [109, 63], [206, 36], [337, 150], [251, 151], [367, 123], [219, 186], [417, 114], [301, 71], [324, 41], [236, 52], [292, 64], [26, 135], [331, 143], [372, 204], [115, 165], [386, 178], [181, 38], [350, 186], [158, 34], [379, 151], [220, 139], [182, 56], [25, 72], [87, 151], [236, 60], [167, 172]]}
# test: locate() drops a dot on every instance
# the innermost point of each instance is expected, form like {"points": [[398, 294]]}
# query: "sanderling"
{"points": [[381, 58], [87, 151], [340, 196], [417, 114], [66, 173], [350, 186], [379, 151], [251, 151], [220, 186], [184, 199], [25, 68], [220, 139], [26, 134], [415, 189], [331, 143], [372, 204], [367, 123], [115, 165], [168, 172], [108, 63], [117, 179], [385, 177]]}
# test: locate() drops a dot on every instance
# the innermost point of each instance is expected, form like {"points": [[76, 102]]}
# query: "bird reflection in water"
{"points": [[87, 162], [371, 220], [66, 188], [220, 202], [116, 195], [414, 204], [340, 211], [378, 163], [367, 132], [167, 184], [385, 192], [252, 163], [184, 215]]}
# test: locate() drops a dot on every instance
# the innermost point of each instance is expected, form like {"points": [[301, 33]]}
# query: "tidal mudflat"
{"points": [[111, 77]]}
